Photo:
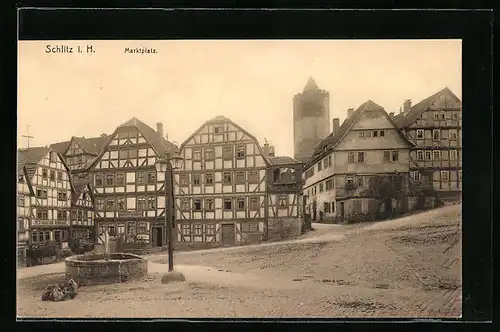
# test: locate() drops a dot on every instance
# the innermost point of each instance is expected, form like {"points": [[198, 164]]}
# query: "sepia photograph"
{"points": [[264, 178]]}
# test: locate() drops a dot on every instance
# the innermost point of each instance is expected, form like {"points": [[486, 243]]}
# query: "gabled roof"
{"points": [[61, 147], [92, 145], [30, 158], [310, 85], [330, 142], [416, 110], [221, 118], [158, 143], [282, 160]]}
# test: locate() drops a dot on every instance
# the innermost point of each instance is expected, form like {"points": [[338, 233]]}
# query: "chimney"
{"points": [[407, 106], [349, 112], [266, 148], [103, 135], [270, 151], [335, 126], [159, 129], [391, 115]]}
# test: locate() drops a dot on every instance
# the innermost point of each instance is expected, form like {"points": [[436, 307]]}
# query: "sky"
{"points": [[188, 82]]}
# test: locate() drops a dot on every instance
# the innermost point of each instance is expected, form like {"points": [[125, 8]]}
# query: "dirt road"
{"points": [[408, 267]]}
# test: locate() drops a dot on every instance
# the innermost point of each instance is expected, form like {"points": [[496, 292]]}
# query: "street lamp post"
{"points": [[167, 165]]}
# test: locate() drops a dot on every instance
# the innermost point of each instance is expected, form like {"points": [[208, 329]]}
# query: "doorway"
{"points": [[341, 212], [157, 234], [227, 234]]}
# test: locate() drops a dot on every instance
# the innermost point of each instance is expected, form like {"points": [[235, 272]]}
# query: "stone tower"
{"points": [[311, 119]]}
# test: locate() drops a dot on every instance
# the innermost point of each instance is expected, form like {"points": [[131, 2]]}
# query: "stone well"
{"points": [[94, 269]]}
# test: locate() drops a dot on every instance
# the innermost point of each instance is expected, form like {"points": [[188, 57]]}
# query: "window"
{"points": [[210, 229], [416, 175], [47, 236], [436, 116], [428, 155], [196, 179], [109, 179], [453, 155], [445, 175], [120, 203], [443, 116], [382, 133], [420, 133], [209, 204], [453, 134], [196, 154], [227, 178], [34, 237], [198, 229], [142, 229], [349, 181], [329, 160], [43, 194], [454, 116], [325, 163], [227, 153], [240, 177], [20, 224], [121, 229], [227, 204], [240, 151], [53, 156], [436, 134], [60, 215], [357, 206], [321, 187], [253, 177], [131, 228], [350, 158], [283, 201], [328, 184], [120, 179], [436, 155], [209, 178], [460, 175], [20, 179], [98, 180], [151, 203], [44, 173], [333, 206], [140, 178], [111, 230], [80, 214], [319, 166], [387, 156], [186, 229], [197, 205], [132, 153], [209, 154], [254, 203], [249, 227], [21, 200], [361, 157], [218, 130], [39, 193], [110, 204], [361, 134], [151, 178], [40, 236], [141, 204], [184, 179], [185, 206], [100, 205], [395, 155], [375, 133], [360, 181], [84, 196], [420, 155], [326, 207], [52, 175], [241, 204]]}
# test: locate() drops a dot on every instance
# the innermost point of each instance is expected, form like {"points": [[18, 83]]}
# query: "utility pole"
{"points": [[28, 137]]}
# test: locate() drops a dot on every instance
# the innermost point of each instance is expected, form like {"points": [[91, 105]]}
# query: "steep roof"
{"points": [[92, 145], [330, 142], [61, 147], [160, 144], [282, 160], [30, 158], [416, 110], [310, 85]]}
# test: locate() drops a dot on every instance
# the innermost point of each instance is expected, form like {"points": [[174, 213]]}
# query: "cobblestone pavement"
{"points": [[407, 267]]}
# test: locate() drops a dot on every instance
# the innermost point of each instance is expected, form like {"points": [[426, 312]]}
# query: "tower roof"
{"points": [[311, 85]]}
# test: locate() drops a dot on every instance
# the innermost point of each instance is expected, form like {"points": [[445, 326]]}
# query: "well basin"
{"points": [[94, 269]]}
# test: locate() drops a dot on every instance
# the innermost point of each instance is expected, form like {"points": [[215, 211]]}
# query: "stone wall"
{"points": [[284, 228]]}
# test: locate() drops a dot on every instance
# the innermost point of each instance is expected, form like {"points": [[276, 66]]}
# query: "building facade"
{"points": [[341, 176], [434, 125], [44, 197], [82, 224], [311, 119], [129, 194], [220, 191]]}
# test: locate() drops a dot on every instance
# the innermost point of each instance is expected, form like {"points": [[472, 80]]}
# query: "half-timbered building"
{"points": [[129, 195], [80, 152], [44, 196], [344, 167], [220, 191], [82, 208], [434, 125]]}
